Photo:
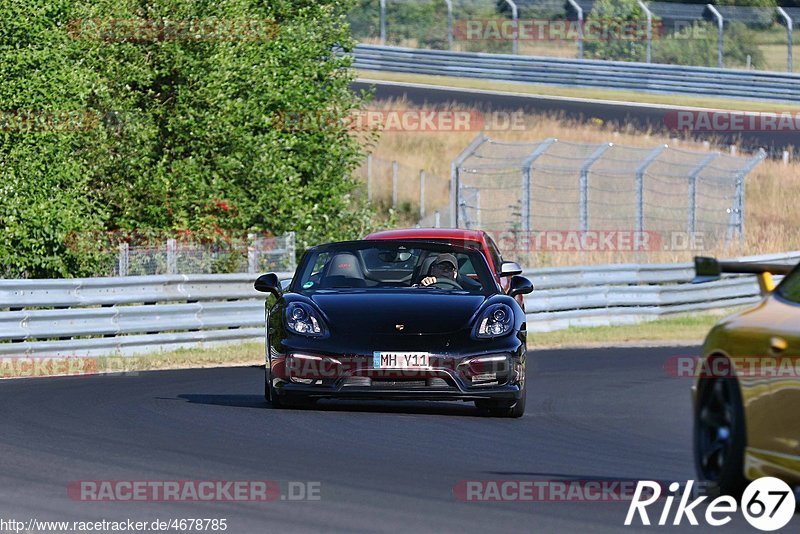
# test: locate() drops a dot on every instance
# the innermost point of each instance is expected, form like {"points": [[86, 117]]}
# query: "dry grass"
{"points": [[771, 218]]}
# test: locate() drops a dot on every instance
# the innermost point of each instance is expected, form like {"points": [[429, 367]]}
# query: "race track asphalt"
{"points": [[600, 414], [643, 117]]}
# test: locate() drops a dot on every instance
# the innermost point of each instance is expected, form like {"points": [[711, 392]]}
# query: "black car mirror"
{"points": [[268, 283], [519, 286]]}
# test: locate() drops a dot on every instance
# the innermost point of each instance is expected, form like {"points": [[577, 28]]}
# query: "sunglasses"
{"points": [[445, 267]]}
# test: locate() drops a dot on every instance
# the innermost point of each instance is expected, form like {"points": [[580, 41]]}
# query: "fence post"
{"points": [[252, 254], [394, 184], [514, 18], [721, 30], [369, 177], [172, 256], [789, 24], [525, 215], [649, 16], [383, 22], [291, 250], [437, 219], [421, 194], [579, 10], [738, 210], [449, 24], [692, 211], [640, 185], [584, 184], [124, 259], [454, 175]]}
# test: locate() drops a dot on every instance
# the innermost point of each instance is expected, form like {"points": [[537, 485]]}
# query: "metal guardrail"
{"points": [[132, 315], [620, 75], [623, 294]]}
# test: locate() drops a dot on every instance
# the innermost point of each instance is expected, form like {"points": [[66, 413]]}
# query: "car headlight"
{"points": [[496, 320], [304, 320]]}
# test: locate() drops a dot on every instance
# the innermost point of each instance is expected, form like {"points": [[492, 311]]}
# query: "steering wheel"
{"points": [[447, 283]]}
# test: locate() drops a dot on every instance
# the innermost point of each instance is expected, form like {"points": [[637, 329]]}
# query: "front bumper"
{"points": [[400, 392], [499, 376]]}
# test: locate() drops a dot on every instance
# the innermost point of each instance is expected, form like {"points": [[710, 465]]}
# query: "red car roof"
{"points": [[459, 234]]}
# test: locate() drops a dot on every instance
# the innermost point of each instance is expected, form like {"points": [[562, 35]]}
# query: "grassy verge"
{"points": [[682, 330], [594, 94]]}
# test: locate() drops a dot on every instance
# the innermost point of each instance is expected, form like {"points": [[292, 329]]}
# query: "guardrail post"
{"points": [[172, 256], [721, 30], [692, 211], [584, 184], [649, 16], [124, 259], [454, 176], [252, 254], [383, 22], [525, 216], [449, 24], [789, 23], [514, 18], [579, 10], [640, 185], [421, 194]]}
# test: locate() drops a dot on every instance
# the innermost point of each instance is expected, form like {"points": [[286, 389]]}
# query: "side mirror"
{"points": [[268, 283], [519, 286], [510, 268]]}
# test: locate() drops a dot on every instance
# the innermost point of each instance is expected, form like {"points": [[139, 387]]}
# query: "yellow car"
{"points": [[747, 392]]}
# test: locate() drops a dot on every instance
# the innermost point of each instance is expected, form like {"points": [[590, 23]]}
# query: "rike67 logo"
{"points": [[767, 504]]}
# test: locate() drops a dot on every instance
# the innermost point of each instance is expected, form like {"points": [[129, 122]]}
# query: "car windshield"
{"points": [[393, 264]]}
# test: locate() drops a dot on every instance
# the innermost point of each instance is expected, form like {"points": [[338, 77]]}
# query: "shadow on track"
{"points": [[334, 405]]}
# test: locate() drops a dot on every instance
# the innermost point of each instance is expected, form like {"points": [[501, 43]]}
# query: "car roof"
{"points": [[459, 234]]}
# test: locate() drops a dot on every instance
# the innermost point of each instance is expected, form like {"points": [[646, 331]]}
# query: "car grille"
{"points": [[382, 383]]}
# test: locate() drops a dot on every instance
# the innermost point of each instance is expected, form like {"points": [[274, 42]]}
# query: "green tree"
{"points": [[616, 30], [182, 121]]}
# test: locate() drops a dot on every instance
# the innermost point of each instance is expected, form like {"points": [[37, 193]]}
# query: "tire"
{"points": [[719, 435], [513, 409]]}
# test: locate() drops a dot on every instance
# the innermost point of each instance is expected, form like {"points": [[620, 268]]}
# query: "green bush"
{"points": [[698, 46], [175, 122]]}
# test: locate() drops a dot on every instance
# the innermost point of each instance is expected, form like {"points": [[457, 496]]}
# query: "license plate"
{"points": [[400, 360]]}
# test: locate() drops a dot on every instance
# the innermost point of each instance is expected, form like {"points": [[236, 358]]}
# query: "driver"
{"points": [[446, 267]]}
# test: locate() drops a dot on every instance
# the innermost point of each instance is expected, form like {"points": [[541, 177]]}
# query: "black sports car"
{"points": [[395, 320]]}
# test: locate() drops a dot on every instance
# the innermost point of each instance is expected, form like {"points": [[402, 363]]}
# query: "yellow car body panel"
{"points": [[771, 400]]}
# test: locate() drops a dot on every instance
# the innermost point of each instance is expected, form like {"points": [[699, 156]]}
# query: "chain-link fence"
{"points": [[660, 32], [415, 194], [563, 187], [250, 254]]}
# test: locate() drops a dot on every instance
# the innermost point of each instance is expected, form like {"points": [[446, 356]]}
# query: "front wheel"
{"points": [[719, 435], [504, 408]]}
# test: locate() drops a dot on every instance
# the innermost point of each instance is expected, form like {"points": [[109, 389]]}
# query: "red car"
{"points": [[477, 239]]}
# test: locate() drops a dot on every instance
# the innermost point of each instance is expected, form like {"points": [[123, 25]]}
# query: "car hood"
{"points": [[378, 312]]}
